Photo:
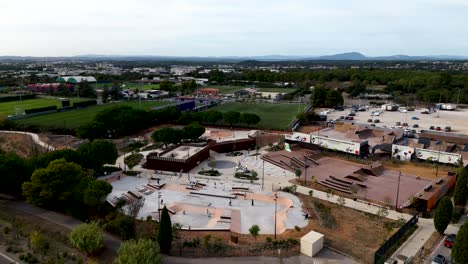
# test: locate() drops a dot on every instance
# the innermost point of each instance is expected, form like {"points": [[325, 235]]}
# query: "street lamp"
{"points": [[263, 173], [276, 204], [398, 192], [159, 208], [305, 175]]}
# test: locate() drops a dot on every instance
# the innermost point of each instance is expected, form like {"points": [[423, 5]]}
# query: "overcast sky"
{"points": [[233, 27]]}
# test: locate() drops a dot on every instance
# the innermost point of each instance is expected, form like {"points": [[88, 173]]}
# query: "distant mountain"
{"points": [[343, 56], [348, 56]]}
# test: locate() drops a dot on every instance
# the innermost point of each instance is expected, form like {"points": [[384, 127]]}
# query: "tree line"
{"points": [[124, 120]]}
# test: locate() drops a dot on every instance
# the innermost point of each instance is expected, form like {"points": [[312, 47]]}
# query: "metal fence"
{"points": [[379, 256]]}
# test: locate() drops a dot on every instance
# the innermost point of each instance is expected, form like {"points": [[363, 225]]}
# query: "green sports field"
{"points": [[9, 108], [75, 118], [131, 86], [273, 116]]}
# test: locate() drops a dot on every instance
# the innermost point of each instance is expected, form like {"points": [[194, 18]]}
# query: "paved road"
{"points": [[4, 259], [325, 256], [440, 249]]}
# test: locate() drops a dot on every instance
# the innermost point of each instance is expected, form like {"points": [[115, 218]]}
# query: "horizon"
{"points": [[233, 28]]}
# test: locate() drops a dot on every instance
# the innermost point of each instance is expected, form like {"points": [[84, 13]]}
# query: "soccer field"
{"points": [[11, 108], [273, 116], [75, 118]]}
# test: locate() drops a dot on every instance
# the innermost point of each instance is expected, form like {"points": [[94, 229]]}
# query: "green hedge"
{"points": [[17, 97], [40, 109], [84, 103]]}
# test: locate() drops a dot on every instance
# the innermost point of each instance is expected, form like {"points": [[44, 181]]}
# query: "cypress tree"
{"points": [[443, 215], [460, 196], [165, 232], [460, 246]]}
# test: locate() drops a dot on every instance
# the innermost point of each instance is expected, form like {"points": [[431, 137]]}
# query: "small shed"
{"points": [[312, 243]]}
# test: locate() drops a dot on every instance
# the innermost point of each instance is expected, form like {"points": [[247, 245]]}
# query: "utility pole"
{"points": [[276, 202], [458, 98], [398, 192], [305, 175], [438, 160]]}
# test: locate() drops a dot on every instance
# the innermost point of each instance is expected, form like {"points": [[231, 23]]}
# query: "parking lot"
{"points": [[457, 120]]}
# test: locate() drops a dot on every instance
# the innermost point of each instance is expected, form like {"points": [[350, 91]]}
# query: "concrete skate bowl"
{"points": [[199, 217], [224, 164]]}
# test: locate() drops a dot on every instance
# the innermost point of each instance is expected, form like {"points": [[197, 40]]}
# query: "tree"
{"points": [[165, 85], [14, 171], [298, 172], [115, 91], [334, 98], [460, 246], [460, 196], [87, 237], [193, 131], [92, 130], [318, 96], [213, 116], [53, 186], [165, 232], [167, 135], [443, 215], [249, 119], [141, 251], [38, 242], [133, 208], [96, 192], [254, 230], [86, 90], [231, 117], [97, 153]]}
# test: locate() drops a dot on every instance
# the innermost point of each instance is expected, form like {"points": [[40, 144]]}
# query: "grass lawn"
{"points": [[273, 116], [276, 90], [225, 89], [8, 108], [75, 118]]}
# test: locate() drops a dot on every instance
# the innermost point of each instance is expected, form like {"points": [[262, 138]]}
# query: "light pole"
{"points": [[276, 203], [398, 192], [305, 174], [263, 174]]}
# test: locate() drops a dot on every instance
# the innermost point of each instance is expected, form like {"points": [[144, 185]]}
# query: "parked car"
{"points": [[425, 112], [447, 129], [341, 117], [415, 118], [352, 114], [415, 126], [376, 121], [431, 127], [376, 113], [339, 108], [448, 242], [369, 120], [439, 259], [398, 123], [405, 124], [438, 128]]}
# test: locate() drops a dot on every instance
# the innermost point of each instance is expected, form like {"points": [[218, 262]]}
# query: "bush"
{"points": [[122, 226], [87, 237], [211, 172], [41, 109], [84, 103], [297, 228], [17, 98], [133, 160], [6, 230], [29, 258], [290, 189], [142, 251]]}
